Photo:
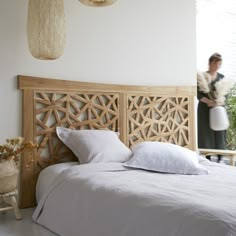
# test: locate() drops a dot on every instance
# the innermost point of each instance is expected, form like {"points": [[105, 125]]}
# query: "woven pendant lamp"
{"points": [[97, 3], [46, 29]]}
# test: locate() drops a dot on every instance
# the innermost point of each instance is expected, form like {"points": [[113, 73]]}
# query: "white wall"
{"points": [[131, 42]]}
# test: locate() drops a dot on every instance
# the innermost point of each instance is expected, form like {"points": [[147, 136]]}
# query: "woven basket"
{"points": [[8, 176]]}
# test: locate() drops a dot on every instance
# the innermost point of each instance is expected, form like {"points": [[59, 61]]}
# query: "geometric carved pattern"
{"points": [[70, 110], [152, 118]]}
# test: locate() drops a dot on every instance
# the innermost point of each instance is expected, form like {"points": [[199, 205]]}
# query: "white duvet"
{"points": [[107, 199]]}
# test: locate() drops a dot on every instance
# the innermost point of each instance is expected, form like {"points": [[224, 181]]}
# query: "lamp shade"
{"points": [[46, 31], [97, 3], [218, 118]]}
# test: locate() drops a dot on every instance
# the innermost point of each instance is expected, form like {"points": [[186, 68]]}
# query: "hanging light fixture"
{"points": [[46, 29], [97, 3]]}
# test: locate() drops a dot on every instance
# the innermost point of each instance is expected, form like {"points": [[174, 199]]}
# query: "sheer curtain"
{"points": [[216, 32]]}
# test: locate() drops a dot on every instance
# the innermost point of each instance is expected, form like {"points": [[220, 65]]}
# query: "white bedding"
{"points": [[48, 175], [106, 199]]}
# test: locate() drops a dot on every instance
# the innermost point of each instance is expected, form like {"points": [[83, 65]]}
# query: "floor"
{"points": [[225, 160], [9, 226]]}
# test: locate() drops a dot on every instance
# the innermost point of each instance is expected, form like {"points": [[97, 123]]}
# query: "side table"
{"points": [[8, 202], [228, 153]]}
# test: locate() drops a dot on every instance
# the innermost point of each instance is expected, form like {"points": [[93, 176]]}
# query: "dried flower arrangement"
{"points": [[13, 148], [222, 87], [10, 154]]}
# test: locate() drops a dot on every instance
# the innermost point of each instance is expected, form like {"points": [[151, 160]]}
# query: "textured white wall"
{"points": [[131, 42]]}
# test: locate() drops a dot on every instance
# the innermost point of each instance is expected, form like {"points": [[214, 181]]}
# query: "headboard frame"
{"points": [[139, 113]]}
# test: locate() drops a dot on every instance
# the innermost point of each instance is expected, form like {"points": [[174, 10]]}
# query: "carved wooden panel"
{"points": [[153, 118], [70, 110]]}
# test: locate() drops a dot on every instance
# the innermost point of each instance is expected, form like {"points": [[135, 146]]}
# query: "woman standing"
{"points": [[208, 138]]}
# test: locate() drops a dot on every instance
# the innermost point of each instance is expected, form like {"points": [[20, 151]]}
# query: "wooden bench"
{"points": [[8, 202], [228, 153]]}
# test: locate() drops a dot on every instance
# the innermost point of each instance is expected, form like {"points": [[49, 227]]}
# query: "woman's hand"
{"points": [[211, 103], [208, 101]]}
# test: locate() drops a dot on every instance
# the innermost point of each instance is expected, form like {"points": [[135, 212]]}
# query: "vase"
{"points": [[218, 118]]}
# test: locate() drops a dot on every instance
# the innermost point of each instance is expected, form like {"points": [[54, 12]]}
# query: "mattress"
{"points": [[104, 199]]}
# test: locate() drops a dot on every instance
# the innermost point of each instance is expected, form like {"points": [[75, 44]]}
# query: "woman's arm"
{"points": [[202, 97], [209, 102]]}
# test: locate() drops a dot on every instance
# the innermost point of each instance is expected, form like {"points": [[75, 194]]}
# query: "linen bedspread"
{"points": [[107, 199]]}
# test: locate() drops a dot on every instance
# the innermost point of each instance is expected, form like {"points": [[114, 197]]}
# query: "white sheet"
{"points": [[48, 175], [109, 200]]}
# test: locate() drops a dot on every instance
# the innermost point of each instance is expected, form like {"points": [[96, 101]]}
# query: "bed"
{"points": [[106, 198]]}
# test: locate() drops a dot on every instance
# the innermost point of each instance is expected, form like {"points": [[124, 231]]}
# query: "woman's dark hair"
{"points": [[215, 58]]}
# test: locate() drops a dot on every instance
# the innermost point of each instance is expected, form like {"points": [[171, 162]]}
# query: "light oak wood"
{"points": [[9, 203], [29, 82], [139, 113], [228, 153]]}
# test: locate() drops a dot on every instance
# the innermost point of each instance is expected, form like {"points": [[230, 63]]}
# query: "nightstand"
{"points": [[8, 202]]}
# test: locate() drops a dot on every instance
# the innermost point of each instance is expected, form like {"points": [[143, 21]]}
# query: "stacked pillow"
{"points": [[165, 158], [93, 146]]}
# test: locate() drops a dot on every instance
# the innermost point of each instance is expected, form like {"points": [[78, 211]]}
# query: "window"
{"points": [[216, 32]]}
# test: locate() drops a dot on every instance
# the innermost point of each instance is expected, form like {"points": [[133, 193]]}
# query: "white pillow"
{"points": [[165, 157], [94, 145]]}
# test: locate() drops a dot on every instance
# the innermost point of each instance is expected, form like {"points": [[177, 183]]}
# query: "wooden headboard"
{"points": [[138, 112]]}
